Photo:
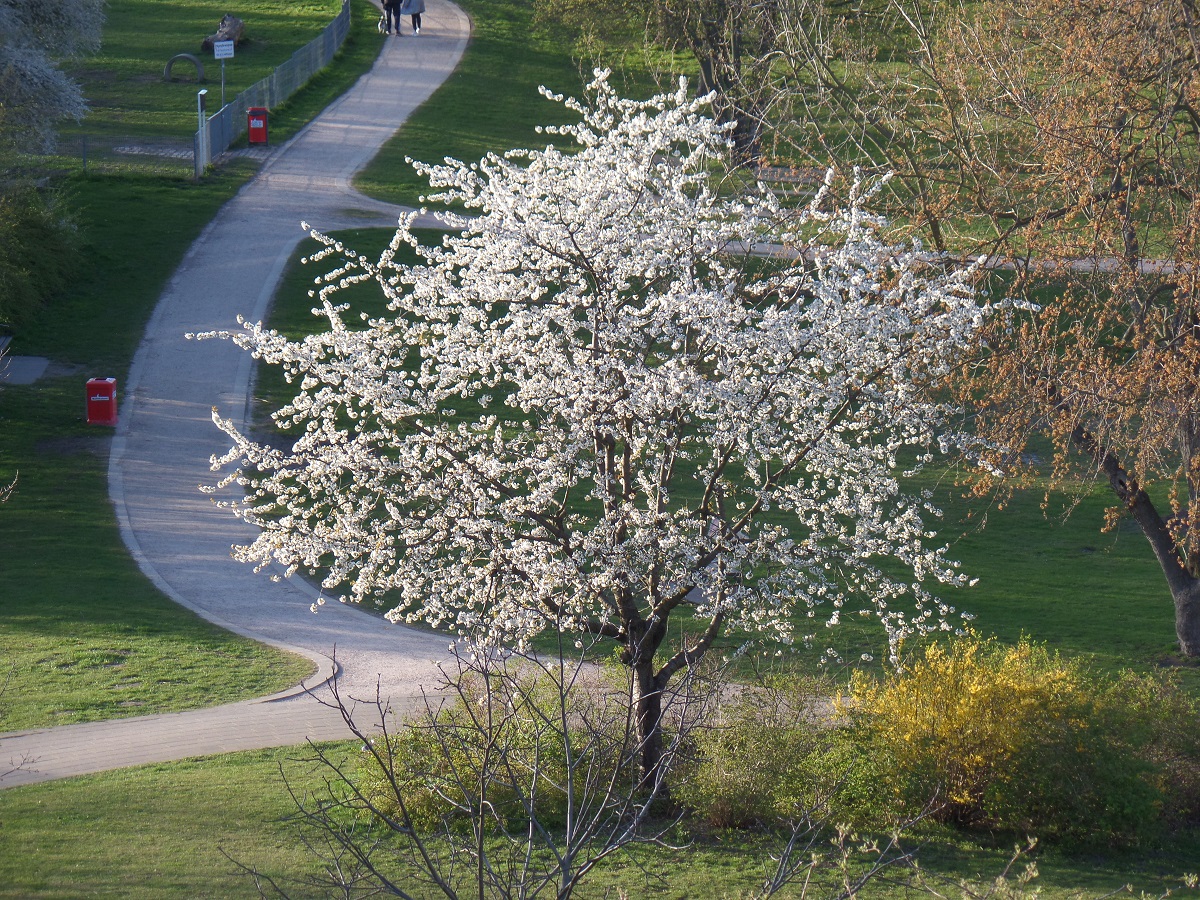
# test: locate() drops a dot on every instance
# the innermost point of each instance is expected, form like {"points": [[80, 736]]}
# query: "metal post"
{"points": [[222, 84], [201, 152]]}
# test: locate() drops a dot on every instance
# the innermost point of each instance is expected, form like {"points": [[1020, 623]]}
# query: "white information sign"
{"points": [[222, 49]]}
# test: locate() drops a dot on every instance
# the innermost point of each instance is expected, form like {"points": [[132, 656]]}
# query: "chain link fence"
{"points": [[123, 153], [114, 153], [101, 153], [229, 123]]}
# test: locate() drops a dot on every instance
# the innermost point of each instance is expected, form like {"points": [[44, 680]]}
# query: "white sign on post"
{"points": [[222, 50]]}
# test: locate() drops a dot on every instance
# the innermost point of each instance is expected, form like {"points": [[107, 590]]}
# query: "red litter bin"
{"points": [[102, 401], [256, 124]]}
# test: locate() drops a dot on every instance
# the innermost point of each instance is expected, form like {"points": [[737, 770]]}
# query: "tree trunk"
{"points": [[1185, 587], [1187, 617], [231, 28], [648, 710]]}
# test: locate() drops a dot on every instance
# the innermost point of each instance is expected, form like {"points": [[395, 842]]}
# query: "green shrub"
{"points": [[976, 735], [37, 250], [774, 756], [1159, 723]]}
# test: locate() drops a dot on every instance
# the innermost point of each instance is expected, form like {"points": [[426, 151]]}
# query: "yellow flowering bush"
{"points": [[1005, 737], [963, 713]]}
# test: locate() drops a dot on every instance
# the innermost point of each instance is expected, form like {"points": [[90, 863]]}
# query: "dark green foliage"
{"points": [[38, 250]]}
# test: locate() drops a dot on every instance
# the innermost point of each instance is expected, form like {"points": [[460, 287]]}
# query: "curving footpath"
{"points": [[165, 438]]}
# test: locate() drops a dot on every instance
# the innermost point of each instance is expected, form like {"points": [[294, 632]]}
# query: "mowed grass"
{"points": [[124, 82], [83, 635], [152, 832], [491, 101], [163, 831], [1056, 578], [157, 831]]}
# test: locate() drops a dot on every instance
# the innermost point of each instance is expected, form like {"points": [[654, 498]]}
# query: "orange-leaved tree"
{"points": [[1062, 140]]}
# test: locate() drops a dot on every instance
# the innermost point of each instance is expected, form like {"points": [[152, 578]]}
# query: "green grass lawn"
{"points": [[124, 84], [491, 102], [83, 633], [151, 832], [1056, 579], [160, 831], [1059, 580]]}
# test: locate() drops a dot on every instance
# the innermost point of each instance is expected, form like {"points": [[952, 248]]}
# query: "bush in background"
{"points": [[774, 755], [1017, 739], [38, 250], [970, 733], [1158, 722], [511, 746]]}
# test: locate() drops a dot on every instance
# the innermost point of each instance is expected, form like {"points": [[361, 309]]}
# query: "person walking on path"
{"points": [[391, 12], [413, 8]]}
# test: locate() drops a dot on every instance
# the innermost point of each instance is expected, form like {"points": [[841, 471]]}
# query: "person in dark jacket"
{"points": [[391, 10]]}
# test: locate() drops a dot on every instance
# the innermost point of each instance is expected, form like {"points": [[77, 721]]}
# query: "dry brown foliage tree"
{"points": [[1062, 140]]}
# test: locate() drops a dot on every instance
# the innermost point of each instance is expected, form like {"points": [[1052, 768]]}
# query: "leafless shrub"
{"points": [[518, 779]]}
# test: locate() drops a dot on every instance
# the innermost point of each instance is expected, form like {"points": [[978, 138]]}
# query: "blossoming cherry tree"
{"points": [[593, 408]]}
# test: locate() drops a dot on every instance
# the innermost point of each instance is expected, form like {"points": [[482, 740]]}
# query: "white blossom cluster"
{"points": [[35, 35], [592, 405]]}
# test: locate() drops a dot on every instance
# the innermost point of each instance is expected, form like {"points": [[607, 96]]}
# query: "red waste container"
{"points": [[256, 124], [102, 401]]}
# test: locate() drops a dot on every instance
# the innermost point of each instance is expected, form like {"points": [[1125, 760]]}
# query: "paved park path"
{"points": [[162, 446]]}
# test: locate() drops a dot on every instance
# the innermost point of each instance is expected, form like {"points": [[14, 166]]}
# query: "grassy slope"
{"points": [[85, 635], [124, 84], [1060, 581], [104, 835], [491, 102]]}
